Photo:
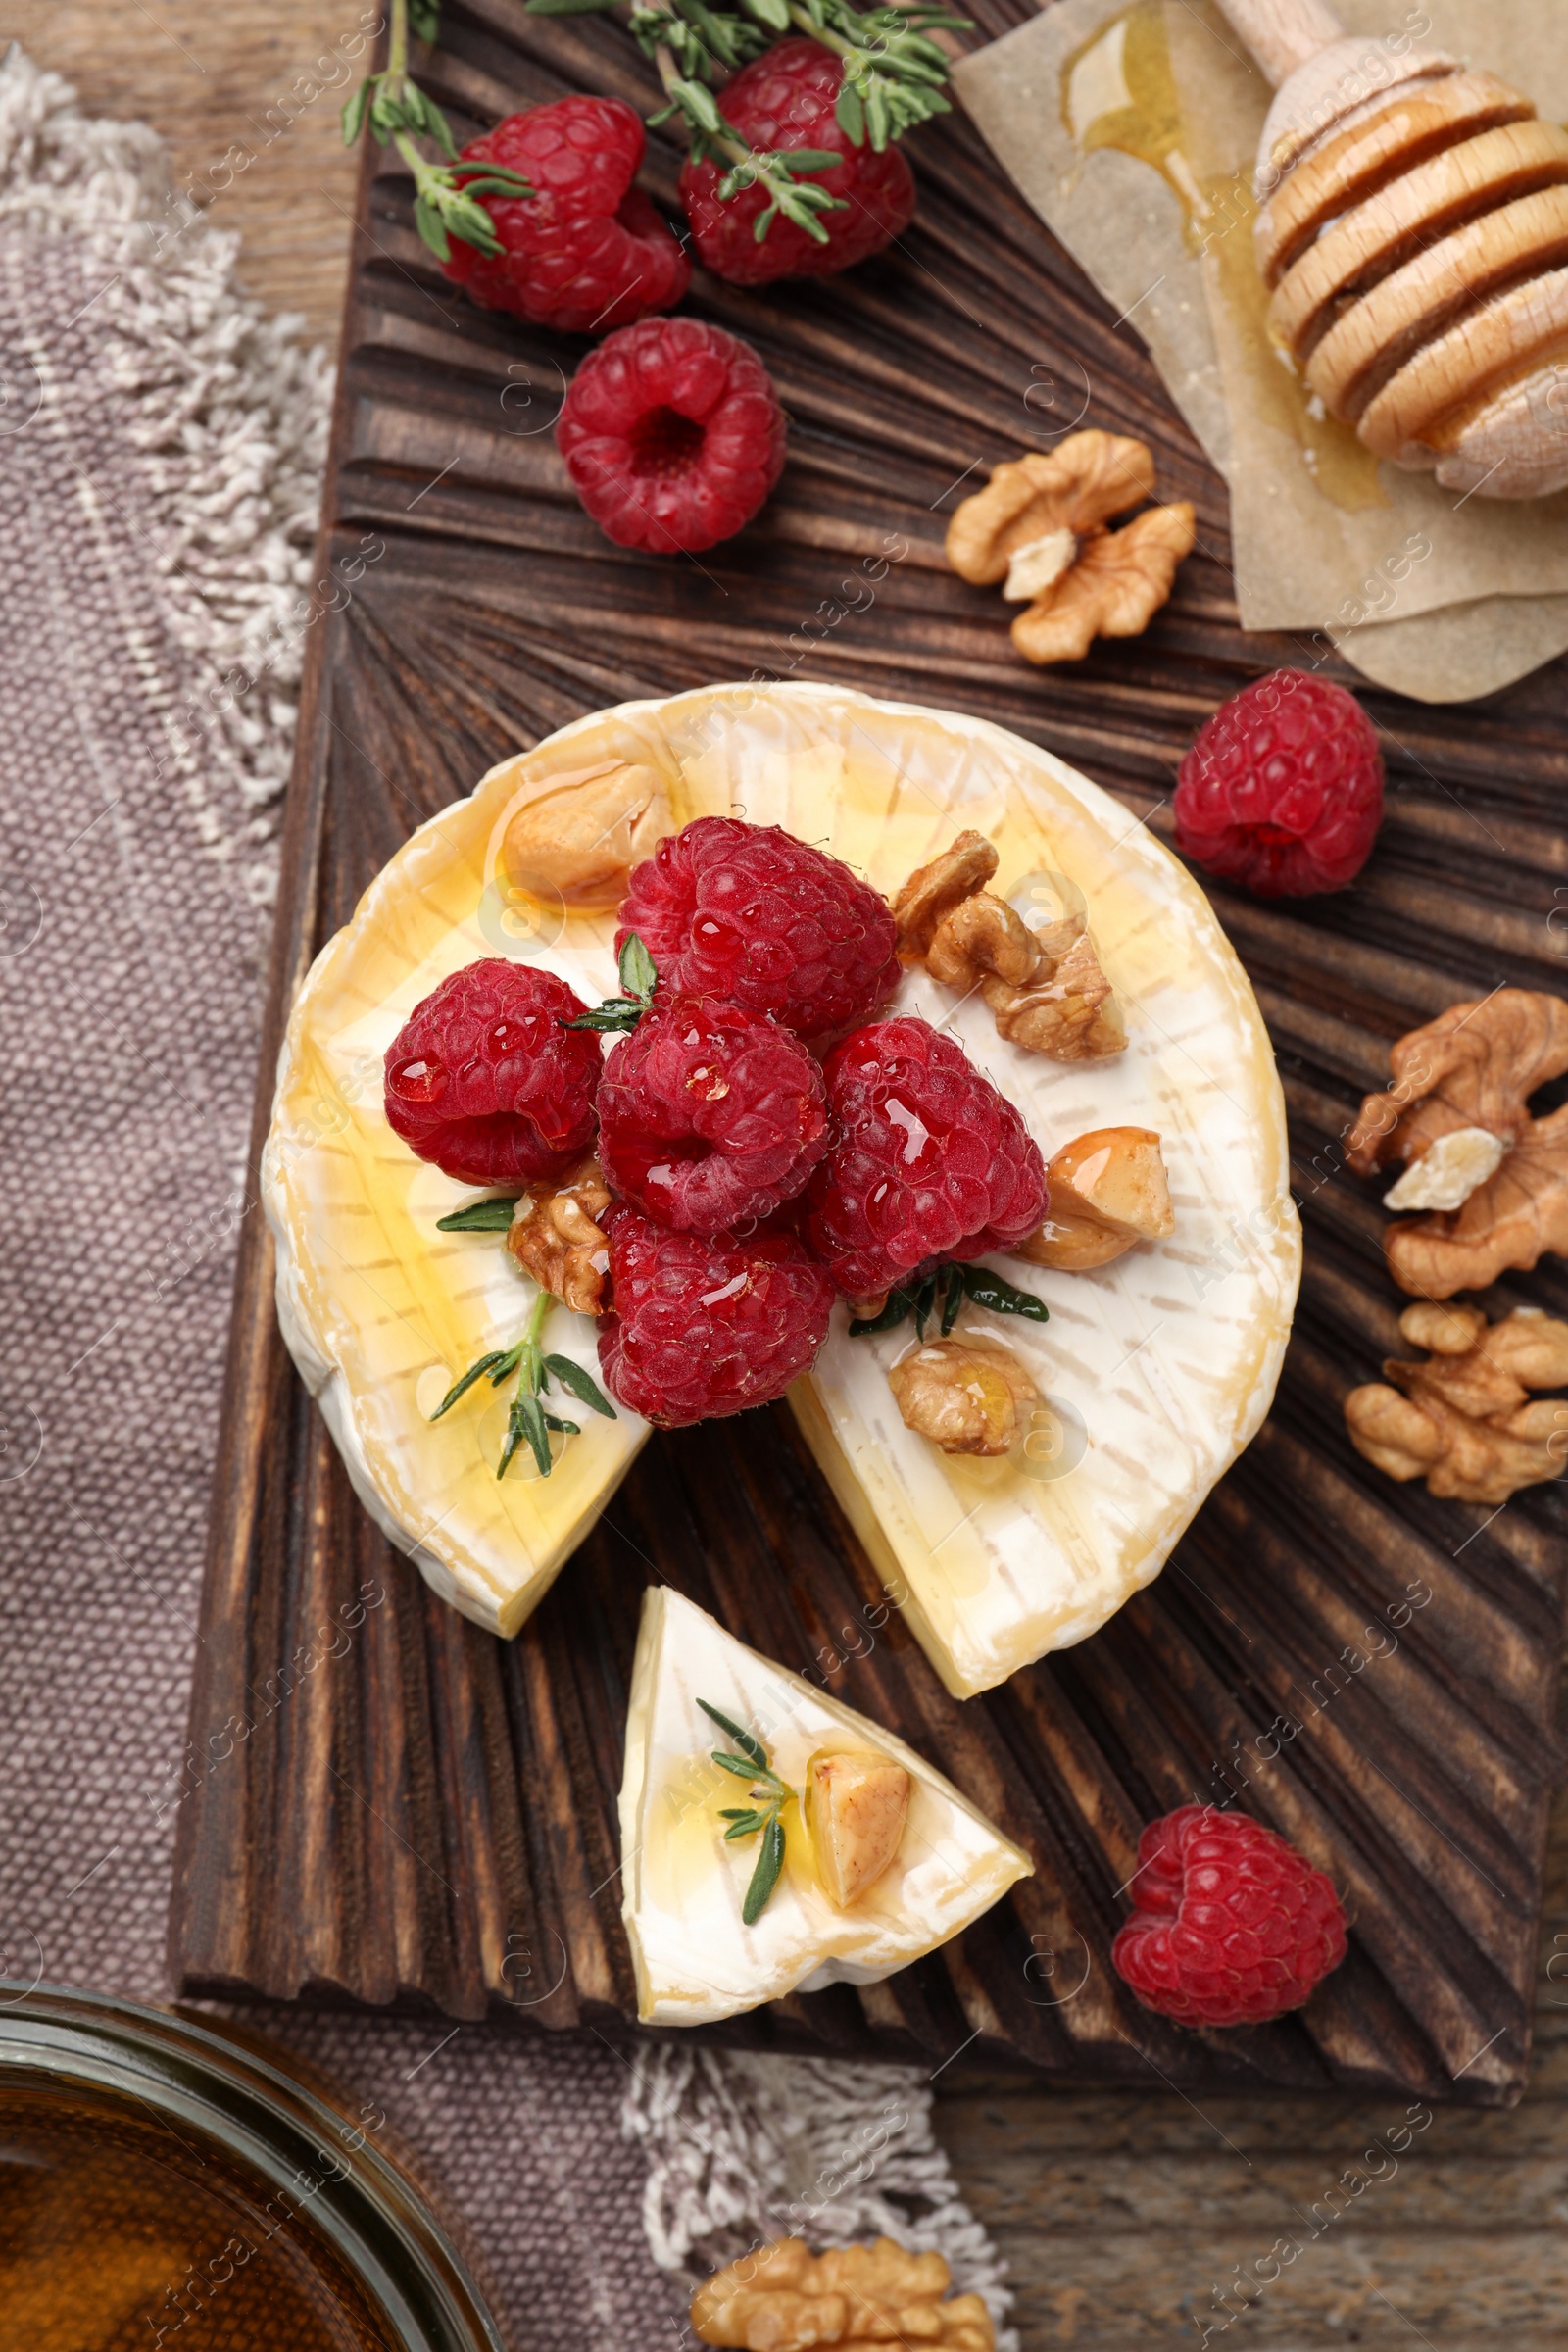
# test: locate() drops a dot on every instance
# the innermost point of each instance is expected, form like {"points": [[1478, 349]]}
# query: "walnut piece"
{"points": [[1118, 585], [1046, 990], [1471, 1069], [1104, 1190], [856, 1803], [1039, 527], [554, 1236], [582, 834], [783, 2298], [967, 1395], [1463, 1420]]}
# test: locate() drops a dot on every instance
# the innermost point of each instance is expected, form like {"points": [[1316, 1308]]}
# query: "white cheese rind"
{"points": [[695, 1961], [1168, 1358]]}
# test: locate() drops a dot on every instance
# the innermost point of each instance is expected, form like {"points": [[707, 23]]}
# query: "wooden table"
{"points": [[1123, 2216]]}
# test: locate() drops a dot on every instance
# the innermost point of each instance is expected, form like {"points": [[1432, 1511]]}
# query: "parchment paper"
{"points": [[1440, 595]]}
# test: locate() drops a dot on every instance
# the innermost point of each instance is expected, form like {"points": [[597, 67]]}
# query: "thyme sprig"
{"points": [[530, 1418], [769, 1794], [953, 1283], [638, 980], [446, 195]]}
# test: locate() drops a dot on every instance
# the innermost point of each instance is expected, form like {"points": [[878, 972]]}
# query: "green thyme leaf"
{"points": [[747, 1741], [507, 1364], [740, 1813], [741, 1766], [461, 1386], [568, 1429], [766, 1877], [352, 115], [577, 1382], [424, 18], [526, 1420], [953, 1300], [637, 972], [850, 115], [492, 1215], [898, 1304], [1002, 1296], [925, 1300], [568, 8]]}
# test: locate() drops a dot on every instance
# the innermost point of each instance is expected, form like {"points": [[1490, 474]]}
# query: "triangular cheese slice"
{"points": [[695, 1959]]}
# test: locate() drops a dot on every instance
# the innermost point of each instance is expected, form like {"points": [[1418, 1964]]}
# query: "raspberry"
{"points": [[483, 1080], [752, 914], [673, 435], [700, 1327], [1233, 1925], [709, 1116], [925, 1160], [786, 99], [586, 251], [1283, 789]]}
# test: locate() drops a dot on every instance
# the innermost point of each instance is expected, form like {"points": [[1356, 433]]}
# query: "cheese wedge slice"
{"points": [[1158, 1368], [683, 1885]]}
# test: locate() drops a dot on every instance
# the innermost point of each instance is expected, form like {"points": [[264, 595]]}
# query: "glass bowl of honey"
{"points": [[164, 2181]]}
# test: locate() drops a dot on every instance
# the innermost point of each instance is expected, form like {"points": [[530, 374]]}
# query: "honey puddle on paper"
{"points": [[1118, 91]]}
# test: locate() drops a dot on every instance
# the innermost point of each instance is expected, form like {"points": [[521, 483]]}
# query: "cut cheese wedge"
{"points": [[684, 1887], [1157, 1367]]}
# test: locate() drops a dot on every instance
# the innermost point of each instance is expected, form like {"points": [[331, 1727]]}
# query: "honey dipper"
{"points": [[1414, 233]]}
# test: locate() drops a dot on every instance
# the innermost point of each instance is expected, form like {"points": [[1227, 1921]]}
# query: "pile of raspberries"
{"points": [[770, 1143]]}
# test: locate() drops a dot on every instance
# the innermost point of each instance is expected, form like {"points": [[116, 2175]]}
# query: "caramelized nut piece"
{"points": [[856, 1803], [1106, 1190], [553, 1237], [782, 2299], [967, 1395], [1464, 1420], [584, 834], [1065, 1012]]}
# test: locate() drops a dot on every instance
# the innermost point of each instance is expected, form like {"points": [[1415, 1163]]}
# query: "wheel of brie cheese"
{"points": [[1152, 1371]]}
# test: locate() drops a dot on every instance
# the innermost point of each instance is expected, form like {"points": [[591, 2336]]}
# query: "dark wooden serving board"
{"points": [[427, 1816]]}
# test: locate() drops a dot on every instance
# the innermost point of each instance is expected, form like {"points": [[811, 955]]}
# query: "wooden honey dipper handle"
{"points": [[1283, 34], [1413, 231]]}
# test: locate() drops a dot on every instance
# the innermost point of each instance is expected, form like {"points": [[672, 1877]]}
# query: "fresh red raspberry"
{"points": [[781, 100], [925, 1160], [483, 1079], [698, 1326], [709, 1115], [673, 435], [1283, 788], [1233, 1925], [752, 914], [586, 251]]}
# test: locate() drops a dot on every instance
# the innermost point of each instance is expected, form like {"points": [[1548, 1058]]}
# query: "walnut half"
{"points": [[967, 1395], [1456, 1112], [1045, 989], [1039, 527], [1464, 1419], [783, 2298], [554, 1236], [1104, 1191]]}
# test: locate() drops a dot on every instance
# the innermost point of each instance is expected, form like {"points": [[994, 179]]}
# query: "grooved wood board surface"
{"points": [[428, 1815]]}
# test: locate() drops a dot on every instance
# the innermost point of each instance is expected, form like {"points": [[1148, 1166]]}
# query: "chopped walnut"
{"points": [[554, 1236], [1039, 527], [1104, 1190], [1457, 1082], [1464, 1420], [1118, 585], [933, 891], [1046, 990], [967, 1395], [783, 2298], [582, 834]]}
